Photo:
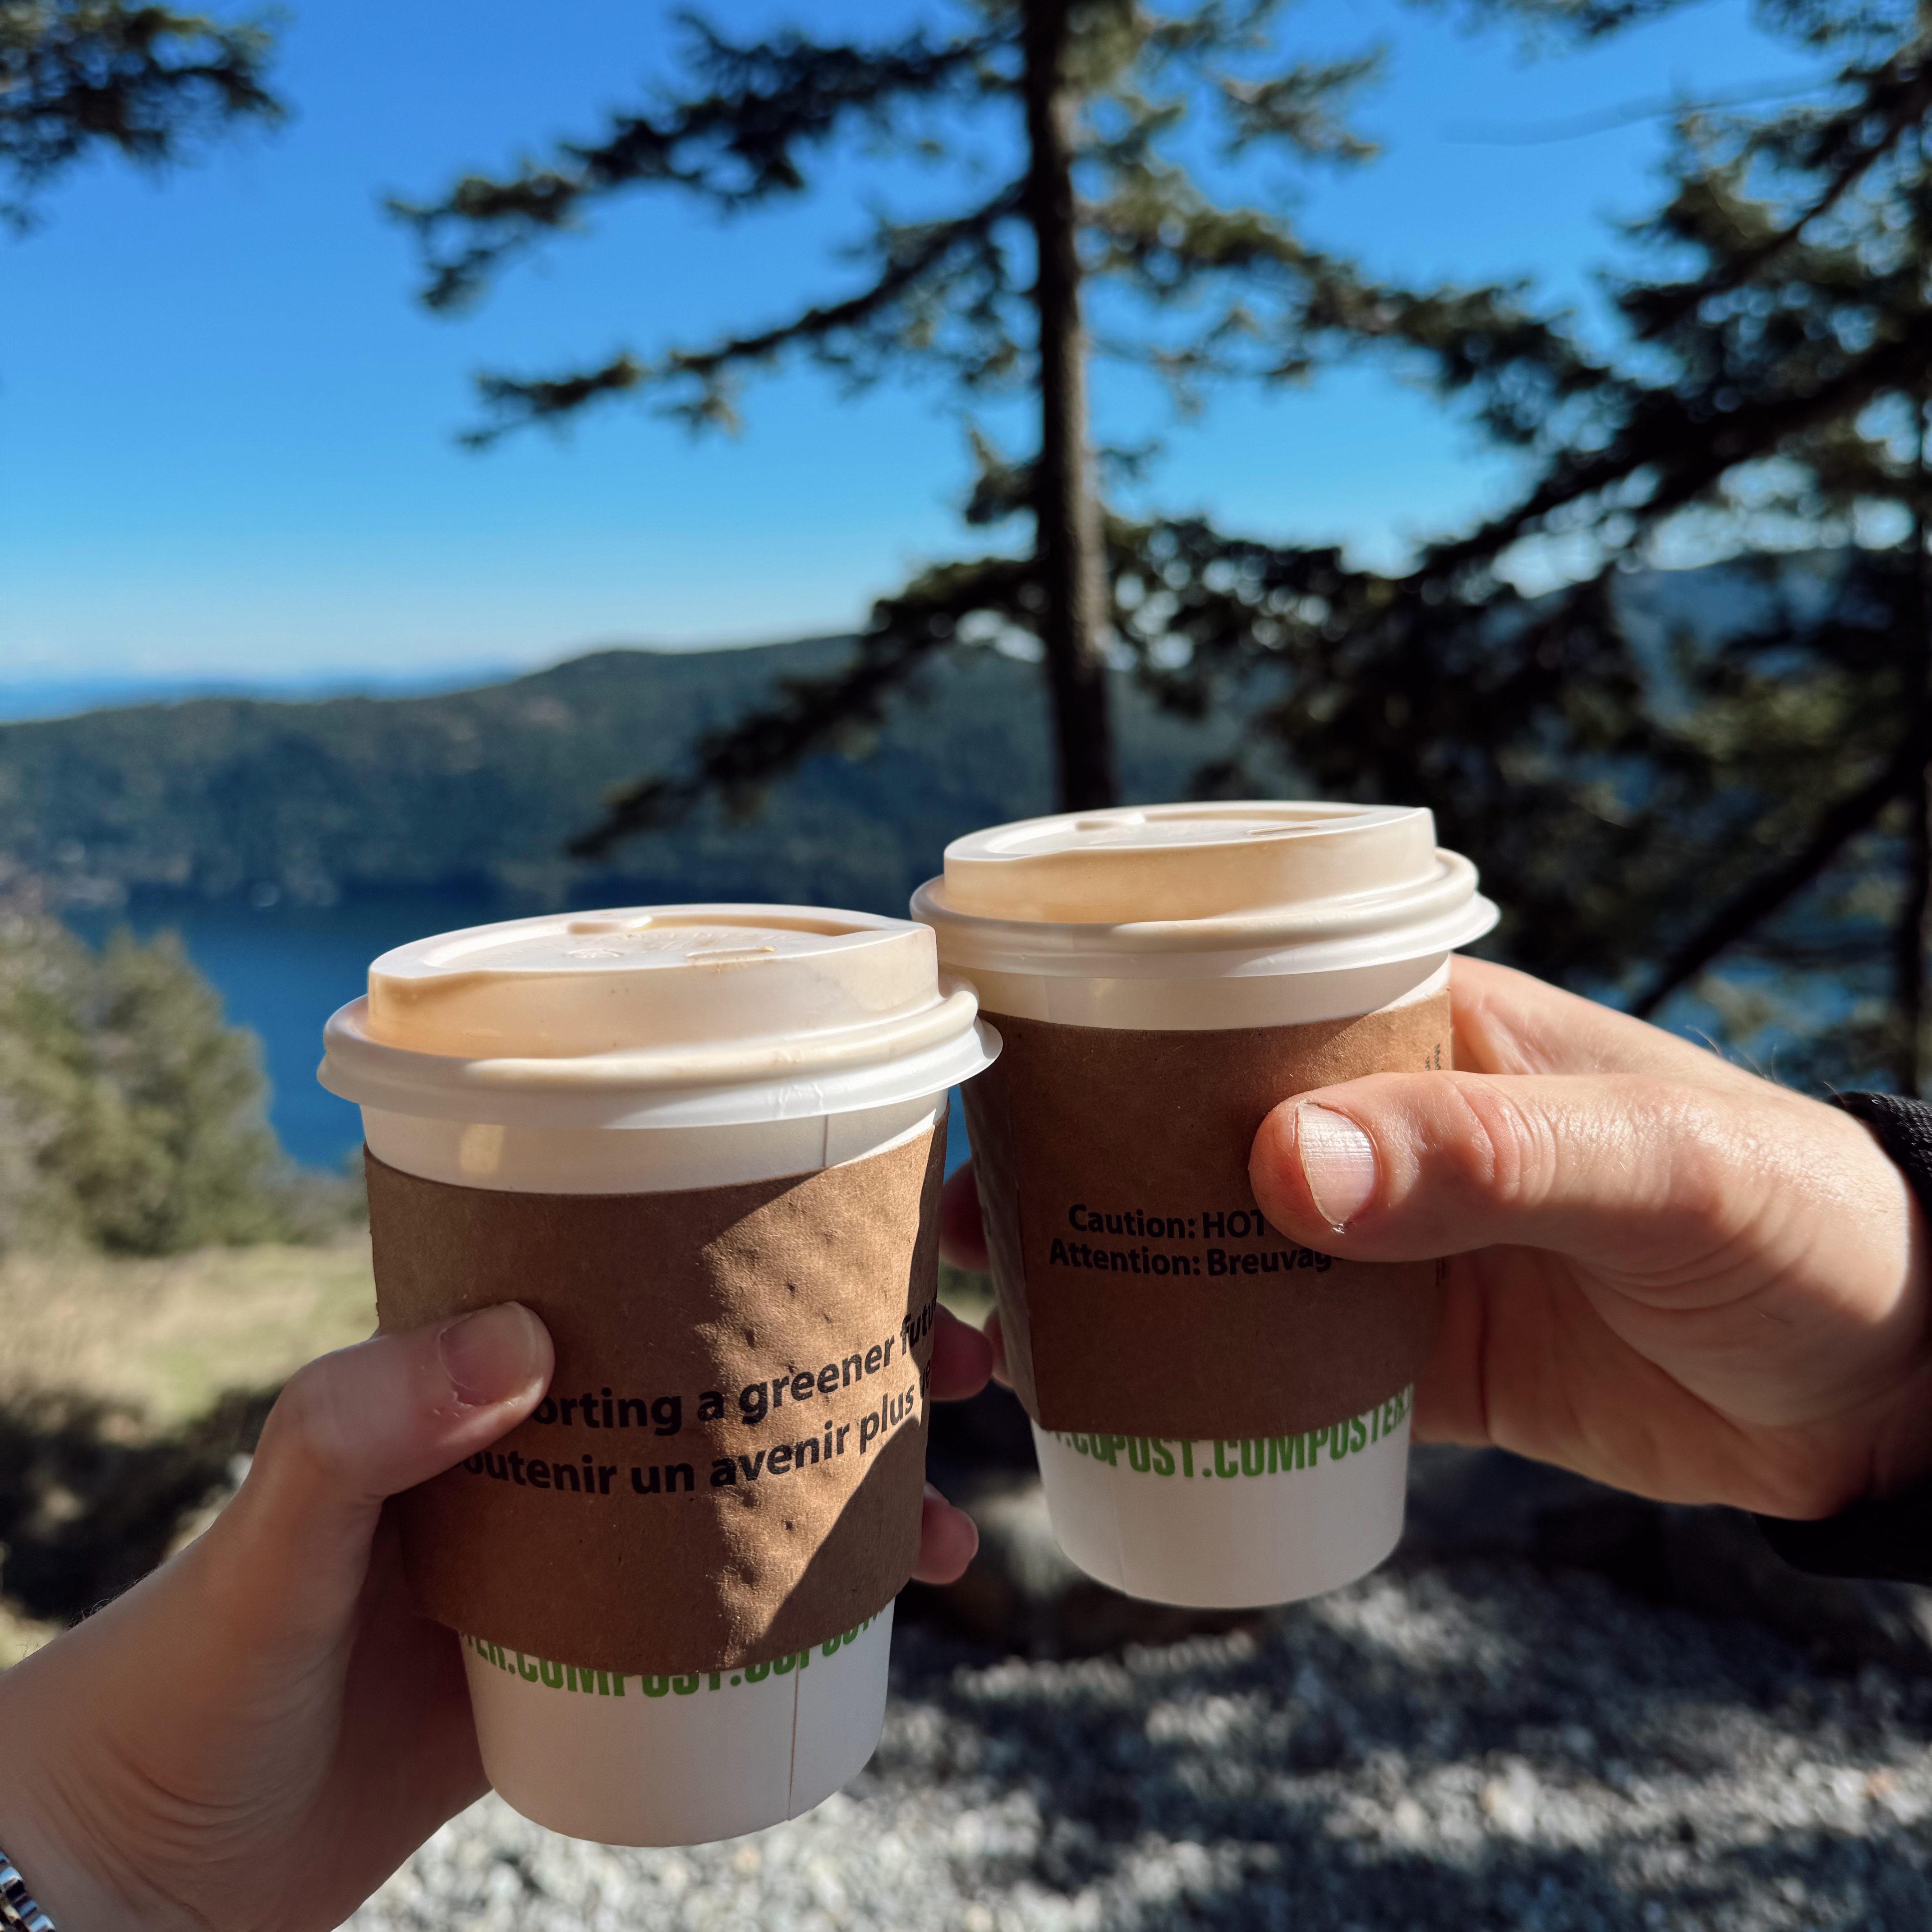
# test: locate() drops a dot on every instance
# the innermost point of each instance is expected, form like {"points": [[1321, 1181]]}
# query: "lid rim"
{"points": [[845, 1090], [1393, 913], [345, 1035], [1267, 958]]}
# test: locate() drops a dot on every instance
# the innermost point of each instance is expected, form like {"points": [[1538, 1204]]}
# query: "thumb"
{"points": [[352, 1429], [1629, 1172]]}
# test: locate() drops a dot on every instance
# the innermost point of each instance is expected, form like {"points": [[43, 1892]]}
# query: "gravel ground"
{"points": [[1458, 1745]]}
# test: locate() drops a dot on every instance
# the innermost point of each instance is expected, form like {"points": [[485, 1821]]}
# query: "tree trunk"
{"points": [[1909, 960], [1909, 937], [1067, 543]]}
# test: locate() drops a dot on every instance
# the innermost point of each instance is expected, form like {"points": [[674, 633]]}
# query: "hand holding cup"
{"points": [[1666, 1273], [263, 1730]]}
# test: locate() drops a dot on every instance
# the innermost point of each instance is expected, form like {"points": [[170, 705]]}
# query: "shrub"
{"points": [[130, 1114]]}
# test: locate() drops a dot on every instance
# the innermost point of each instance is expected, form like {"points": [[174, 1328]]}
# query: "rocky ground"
{"points": [[1555, 1711], [1472, 1745]]}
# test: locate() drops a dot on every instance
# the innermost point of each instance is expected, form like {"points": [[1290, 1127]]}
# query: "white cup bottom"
{"points": [[704, 1758], [1226, 1525]]}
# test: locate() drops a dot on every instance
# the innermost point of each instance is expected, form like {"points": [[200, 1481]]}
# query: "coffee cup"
{"points": [[1221, 1414], [704, 1144]]}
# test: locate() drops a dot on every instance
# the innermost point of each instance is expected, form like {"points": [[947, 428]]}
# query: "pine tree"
{"points": [[1736, 807], [1095, 97], [1748, 795], [131, 1117], [145, 81], [1758, 799]]}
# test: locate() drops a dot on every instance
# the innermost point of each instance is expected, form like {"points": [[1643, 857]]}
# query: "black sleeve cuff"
{"points": [[1890, 1539]]}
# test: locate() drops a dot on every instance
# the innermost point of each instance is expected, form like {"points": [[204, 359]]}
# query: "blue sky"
{"points": [[226, 428]]}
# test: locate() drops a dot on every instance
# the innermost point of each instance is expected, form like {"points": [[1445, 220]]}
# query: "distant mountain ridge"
{"points": [[311, 801], [478, 789], [23, 698]]}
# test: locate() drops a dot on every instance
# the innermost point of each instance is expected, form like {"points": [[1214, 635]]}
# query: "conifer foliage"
{"points": [[1730, 811], [1082, 237], [145, 81], [130, 1115], [1752, 798]]}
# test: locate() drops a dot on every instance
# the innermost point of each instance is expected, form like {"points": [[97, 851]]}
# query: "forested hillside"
{"points": [[312, 801]]}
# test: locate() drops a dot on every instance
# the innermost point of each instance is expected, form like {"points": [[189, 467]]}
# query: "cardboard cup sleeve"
{"points": [[1140, 1291], [729, 1464]]}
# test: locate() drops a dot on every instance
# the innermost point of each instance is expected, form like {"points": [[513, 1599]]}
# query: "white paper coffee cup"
{"points": [[637, 1052], [1209, 919]]}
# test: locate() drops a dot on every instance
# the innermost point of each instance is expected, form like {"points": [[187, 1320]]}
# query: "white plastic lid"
{"points": [[658, 1014], [1267, 886]]}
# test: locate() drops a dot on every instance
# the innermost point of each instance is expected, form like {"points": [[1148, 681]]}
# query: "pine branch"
{"points": [[812, 716], [145, 80], [1777, 887], [1575, 20], [1291, 307], [853, 336], [1217, 27], [1520, 369], [1159, 233], [518, 401], [1684, 445], [741, 142], [1892, 101], [1160, 237], [1299, 108]]}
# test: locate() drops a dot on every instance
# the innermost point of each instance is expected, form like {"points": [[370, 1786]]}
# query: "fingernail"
{"points": [[492, 1355], [1338, 1162], [932, 1495]]}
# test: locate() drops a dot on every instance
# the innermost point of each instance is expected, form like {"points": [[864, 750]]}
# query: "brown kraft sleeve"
{"points": [[729, 1461], [1140, 1291]]}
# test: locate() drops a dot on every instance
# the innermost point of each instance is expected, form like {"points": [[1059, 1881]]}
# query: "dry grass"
{"points": [[166, 1338], [150, 1349], [21, 1637]]}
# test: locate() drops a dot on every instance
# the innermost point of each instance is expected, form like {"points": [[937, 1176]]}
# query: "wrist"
{"points": [[1901, 1130], [75, 1895], [20, 1911], [52, 1870], [42, 1831], [41, 1873], [1902, 1448]]}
